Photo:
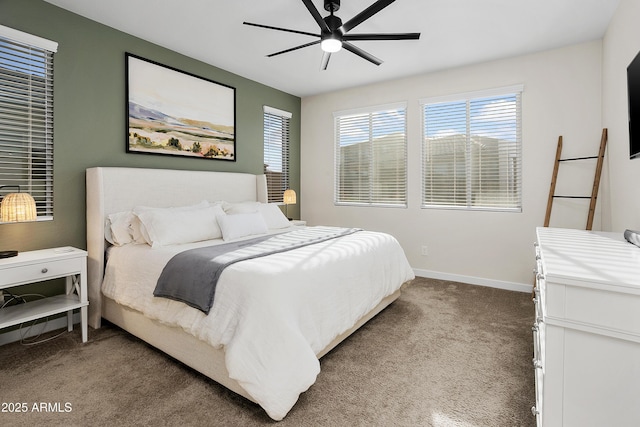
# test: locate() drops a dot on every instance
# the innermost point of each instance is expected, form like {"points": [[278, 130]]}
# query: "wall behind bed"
{"points": [[89, 115]]}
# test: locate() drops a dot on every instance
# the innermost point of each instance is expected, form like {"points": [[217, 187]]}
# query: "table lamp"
{"points": [[16, 207], [289, 198]]}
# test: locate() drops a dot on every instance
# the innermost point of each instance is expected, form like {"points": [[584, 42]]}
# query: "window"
{"points": [[26, 116], [371, 156], [471, 154], [276, 152]]}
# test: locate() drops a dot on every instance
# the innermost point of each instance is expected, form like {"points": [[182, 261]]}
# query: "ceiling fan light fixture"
{"points": [[331, 45], [334, 34]]}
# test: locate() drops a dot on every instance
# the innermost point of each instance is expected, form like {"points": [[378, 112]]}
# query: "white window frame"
{"points": [[26, 140], [510, 150], [277, 144], [375, 193]]}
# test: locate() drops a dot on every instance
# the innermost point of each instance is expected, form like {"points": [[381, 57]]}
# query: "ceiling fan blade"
{"points": [[281, 29], [294, 48], [316, 15], [361, 53], [365, 14], [325, 60], [390, 36]]}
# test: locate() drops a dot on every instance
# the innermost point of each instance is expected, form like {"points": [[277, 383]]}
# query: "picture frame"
{"points": [[176, 113]]}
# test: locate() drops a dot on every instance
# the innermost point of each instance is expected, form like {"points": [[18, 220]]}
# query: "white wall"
{"points": [[561, 96], [620, 45]]}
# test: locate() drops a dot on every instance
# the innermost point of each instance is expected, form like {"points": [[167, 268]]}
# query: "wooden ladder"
{"points": [[596, 180]]}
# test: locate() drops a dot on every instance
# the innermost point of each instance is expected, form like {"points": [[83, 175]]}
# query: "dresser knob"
{"points": [[44, 270]]}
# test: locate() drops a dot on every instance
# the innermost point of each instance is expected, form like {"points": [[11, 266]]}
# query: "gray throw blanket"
{"points": [[191, 276]]}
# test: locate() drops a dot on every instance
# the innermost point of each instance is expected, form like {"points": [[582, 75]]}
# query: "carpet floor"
{"points": [[444, 354]]}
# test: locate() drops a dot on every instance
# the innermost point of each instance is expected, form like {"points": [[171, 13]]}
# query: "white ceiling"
{"points": [[454, 33]]}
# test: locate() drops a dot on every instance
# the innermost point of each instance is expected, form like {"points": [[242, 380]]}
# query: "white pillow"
{"points": [[240, 207], [138, 230], [118, 231], [241, 225], [107, 232], [273, 216], [166, 227], [138, 233]]}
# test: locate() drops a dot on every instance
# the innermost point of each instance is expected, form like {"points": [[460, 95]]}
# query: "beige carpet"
{"points": [[444, 354]]}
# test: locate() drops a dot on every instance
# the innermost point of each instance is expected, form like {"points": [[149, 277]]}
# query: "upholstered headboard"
{"points": [[114, 189]]}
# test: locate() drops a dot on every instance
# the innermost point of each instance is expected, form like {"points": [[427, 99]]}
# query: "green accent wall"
{"points": [[90, 116]]}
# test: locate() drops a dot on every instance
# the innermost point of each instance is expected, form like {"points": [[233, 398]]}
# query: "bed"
{"points": [[273, 317]]}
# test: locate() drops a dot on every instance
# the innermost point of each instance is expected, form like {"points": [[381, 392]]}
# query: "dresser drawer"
{"points": [[30, 273], [609, 312]]}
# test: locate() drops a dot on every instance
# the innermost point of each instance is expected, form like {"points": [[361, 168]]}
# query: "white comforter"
{"points": [[272, 314]]}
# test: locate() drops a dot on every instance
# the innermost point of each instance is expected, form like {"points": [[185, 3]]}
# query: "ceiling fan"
{"points": [[334, 34]]}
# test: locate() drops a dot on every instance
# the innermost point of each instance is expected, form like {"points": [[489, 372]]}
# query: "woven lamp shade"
{"points": [[18, 207], [289, 197]]}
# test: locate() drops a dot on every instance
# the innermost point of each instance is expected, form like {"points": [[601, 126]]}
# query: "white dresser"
{"points": [[587, 329]]}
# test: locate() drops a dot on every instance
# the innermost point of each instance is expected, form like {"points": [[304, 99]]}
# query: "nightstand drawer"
{"points": [[14, 276]]}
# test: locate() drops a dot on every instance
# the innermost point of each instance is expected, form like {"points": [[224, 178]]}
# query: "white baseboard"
{"points": [[510, 286], [39, 328]]}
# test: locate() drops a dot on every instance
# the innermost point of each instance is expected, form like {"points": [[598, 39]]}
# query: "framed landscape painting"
{"points": [[175, 113]]}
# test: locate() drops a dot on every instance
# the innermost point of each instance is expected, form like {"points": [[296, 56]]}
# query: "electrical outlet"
{"points": [[425, 250]]}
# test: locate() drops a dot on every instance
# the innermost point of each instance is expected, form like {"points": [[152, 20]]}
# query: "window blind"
{"points": [[276, 152], [26, 116], [371, 156], [472, 151]]}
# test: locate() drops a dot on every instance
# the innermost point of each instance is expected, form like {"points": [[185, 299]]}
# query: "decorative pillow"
{"points": [[273, 216], [166, 226], [241, 225]]}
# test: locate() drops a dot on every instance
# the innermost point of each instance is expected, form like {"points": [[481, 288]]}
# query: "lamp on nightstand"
{"points": [[289, 198], [16, 207]]}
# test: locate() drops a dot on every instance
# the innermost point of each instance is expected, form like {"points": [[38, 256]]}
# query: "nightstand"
{"points": [[41, 265], [298, 222]]}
